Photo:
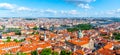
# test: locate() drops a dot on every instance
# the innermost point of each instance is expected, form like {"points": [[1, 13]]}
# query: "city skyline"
{"points": [[59, 8]]}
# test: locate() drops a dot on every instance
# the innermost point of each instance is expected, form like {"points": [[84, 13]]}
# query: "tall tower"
{"points": [[74, 49], [0, 36], [52, 28], [45, 38], [91, 43], [80, 35], [39, 27]]}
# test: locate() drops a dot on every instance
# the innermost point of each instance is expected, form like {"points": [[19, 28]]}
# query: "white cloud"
{"points": [[7, 6], [70, 12], [86, 1], [13, 7], [56, 12], [50, 11], [47, 11], [118, 10], [23, 9], [111, 12], [107, 13], [73, 12], [82, 3], [85, 6], [89, 0]]}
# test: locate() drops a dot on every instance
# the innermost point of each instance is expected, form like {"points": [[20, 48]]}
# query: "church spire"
{"points": [[80, 35], [45, 38]]}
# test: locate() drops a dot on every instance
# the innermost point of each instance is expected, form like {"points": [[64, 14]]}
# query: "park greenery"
{"points": [[117, 36], [103, 34], [80, 27], [36, 32], [55, 53], [18, 53], [65, 26], [16, 30], [34, 53], [35, 28], [8, 39], [8, 54], [16, 40], [46, 51], [21, 53], [63, 52]]}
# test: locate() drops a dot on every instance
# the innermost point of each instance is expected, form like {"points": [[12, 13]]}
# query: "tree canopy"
{"points": [[21, 53], [34, 53], [8, 39], [55, 53], [35, 28], [80, 27], [117, 36], [16, 30], [46, 51], [63, 52]]}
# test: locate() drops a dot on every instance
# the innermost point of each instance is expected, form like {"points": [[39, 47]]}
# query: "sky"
{"points": [[59, 8]]}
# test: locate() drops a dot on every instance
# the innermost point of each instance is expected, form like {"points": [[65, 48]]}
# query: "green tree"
{"points": [[117, 36], [8, 54], [4, 32], [63, 52], [80, 27], [46, 51], [34, 53], [35, 32], [18, 33], [21, 53], [21, 40], [69, 53], [16, 30], [16, 40], [35, 28], [55, 53], [8, 39], [84, 26]]}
